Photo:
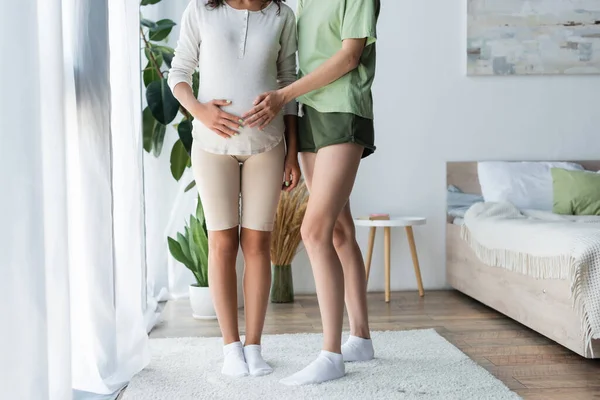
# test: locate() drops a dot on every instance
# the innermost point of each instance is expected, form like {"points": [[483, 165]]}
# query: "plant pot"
{"points": [[282, 287], [201, 302]]}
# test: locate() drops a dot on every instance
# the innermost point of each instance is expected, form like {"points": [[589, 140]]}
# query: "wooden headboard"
{"points": [[464, 174]]}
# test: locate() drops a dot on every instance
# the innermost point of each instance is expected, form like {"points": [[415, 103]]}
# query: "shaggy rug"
{"points": [[416, 364]]}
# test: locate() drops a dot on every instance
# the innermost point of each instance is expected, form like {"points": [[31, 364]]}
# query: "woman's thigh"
{"points": [[332, 175], [344, 221], [262, 179], [218, 181]]}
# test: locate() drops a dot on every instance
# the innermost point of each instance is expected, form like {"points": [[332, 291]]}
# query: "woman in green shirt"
{"points": [[336, 51]]}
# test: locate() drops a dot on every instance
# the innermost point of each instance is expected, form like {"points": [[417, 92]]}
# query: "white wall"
{"points": [[428, 112]]}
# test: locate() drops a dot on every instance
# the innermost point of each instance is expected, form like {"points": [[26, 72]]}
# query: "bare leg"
{"points": [[333, 177], [355, 278], [348, 251], [257, 281], [222, 254]]}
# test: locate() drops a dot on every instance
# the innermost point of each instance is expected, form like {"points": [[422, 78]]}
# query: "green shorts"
{"points": [[318, 130]]}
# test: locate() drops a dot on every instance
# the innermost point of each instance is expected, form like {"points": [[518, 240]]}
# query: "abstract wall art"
{"points": [[533, 37]]}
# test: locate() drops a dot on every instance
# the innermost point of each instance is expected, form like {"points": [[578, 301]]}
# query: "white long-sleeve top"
{"points": [[240, 54]]}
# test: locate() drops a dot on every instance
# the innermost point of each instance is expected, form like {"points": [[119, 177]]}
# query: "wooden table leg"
{"points": [[387, 241], [372, 233], [415, 259]]}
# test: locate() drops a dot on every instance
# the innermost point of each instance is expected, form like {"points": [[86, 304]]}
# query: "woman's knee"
{"points": [[343, 234], [255, 243], [224, 243], [315, 232]]}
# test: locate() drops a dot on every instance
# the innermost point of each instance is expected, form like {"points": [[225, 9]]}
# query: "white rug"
{"points": [[417, 364]]}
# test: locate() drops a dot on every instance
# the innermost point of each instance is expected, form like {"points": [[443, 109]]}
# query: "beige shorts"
{"points": [[221, 178]]}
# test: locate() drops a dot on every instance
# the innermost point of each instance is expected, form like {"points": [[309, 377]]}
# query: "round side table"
{"points": [[387, 225]]}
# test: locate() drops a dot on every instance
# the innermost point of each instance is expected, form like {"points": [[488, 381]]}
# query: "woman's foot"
{"points": [[234, 363], [256, 364], [328, 366], [358, 349]]}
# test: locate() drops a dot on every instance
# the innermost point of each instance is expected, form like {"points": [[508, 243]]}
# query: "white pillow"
{"points": [[527, 184]]}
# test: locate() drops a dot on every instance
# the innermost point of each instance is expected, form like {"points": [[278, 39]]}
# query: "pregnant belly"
{"points": [[241, 93]]}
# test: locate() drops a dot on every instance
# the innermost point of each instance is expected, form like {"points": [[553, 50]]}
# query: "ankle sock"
{"points": [[328, 366], [234, 363], [256, 364], [358, 349]]}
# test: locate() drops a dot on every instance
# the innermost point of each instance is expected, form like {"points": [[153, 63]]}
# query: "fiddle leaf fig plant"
{"points": [[163, 108]]}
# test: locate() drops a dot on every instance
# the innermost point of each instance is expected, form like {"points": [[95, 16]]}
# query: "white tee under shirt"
{"points": [[240, 54]]}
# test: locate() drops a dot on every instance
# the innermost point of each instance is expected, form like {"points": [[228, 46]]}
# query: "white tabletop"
{"points": [[393, 221]]}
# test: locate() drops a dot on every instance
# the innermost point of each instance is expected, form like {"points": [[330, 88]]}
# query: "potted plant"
{"points": [[285, 242], [191, 249]]}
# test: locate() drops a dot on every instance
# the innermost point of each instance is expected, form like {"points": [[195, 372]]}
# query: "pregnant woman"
{"points": [[242, 48], [336, 51]]}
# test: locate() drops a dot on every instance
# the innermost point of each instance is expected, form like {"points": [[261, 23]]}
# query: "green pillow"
{"points": [[576, 192]]}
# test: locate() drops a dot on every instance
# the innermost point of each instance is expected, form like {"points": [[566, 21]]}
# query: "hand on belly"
{"points": [[265, 108], [241, 93], [214, 117]]}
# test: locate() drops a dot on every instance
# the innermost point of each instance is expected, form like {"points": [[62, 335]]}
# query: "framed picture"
{"points": [[533, 37]]}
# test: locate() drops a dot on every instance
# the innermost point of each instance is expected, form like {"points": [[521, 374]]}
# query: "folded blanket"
{"points": [[542, 245]]}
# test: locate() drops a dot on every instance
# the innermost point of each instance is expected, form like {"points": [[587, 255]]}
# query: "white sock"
{"points": [[328, 366], [358, 349], [256, 364], [234, 363]]}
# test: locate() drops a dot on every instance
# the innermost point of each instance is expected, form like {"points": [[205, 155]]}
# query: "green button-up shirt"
{"points": [[322, 26]]}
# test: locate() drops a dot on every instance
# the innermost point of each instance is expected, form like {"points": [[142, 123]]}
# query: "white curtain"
{"points": [[34, 335], [74, 314]]}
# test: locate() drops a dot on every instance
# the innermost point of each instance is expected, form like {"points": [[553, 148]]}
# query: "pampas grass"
{"points": [[288, 220]]}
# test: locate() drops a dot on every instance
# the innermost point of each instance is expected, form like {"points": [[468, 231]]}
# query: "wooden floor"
{"points": [[528, 363]]}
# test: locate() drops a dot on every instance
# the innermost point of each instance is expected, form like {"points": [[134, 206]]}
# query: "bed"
{"points": [[544, 305]]}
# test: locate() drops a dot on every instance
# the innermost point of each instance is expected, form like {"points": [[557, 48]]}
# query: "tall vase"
{"points": [[282, 287]]}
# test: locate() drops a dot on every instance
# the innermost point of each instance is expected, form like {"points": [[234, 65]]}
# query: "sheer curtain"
{"points": [[71, 210], [34, 335]]}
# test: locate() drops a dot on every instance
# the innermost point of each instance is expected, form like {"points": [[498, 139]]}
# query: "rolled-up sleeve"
{"points": [[187, 51], [286, 62], [360, 20]]}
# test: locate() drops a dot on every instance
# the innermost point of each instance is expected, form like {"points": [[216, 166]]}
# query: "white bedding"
{"points": [[458, 221], [543, 245], [526, 184]]}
